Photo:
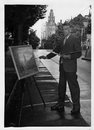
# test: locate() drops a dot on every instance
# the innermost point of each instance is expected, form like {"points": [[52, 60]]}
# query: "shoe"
{"points": [[58, 107], [77, 112]]}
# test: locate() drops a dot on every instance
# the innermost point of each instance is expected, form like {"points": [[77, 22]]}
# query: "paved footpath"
{"points": [[84, 79]]}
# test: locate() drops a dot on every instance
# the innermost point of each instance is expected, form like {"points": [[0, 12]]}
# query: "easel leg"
{"points": [[27, 87], [21, 110], [39, 90], [11, 95]]}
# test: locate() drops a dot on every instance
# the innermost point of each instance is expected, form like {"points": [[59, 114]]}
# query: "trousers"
{"points": [[71, 78]]}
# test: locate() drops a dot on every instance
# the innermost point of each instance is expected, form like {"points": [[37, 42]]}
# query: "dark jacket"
{"points": [[72, 46]]}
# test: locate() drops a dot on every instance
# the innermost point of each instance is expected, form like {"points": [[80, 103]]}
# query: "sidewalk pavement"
{"points": [[47, 81]]}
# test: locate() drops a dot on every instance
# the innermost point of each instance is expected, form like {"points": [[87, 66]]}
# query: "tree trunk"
{"points": [[20, 34]]}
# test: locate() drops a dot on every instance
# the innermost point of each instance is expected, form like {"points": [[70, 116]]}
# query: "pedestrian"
{"points": [[69, 50]]}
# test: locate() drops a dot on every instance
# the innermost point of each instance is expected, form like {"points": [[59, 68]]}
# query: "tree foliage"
{"points": [[54, 39], [78, 21], [50, 42], [59, 33], [18, 19], [33, 39], [26, 14]]}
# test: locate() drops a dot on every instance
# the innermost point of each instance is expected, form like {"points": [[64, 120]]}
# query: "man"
{"points": [[69, 50]]}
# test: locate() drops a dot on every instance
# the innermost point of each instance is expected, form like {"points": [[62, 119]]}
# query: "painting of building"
{"points": [[24, 60]]}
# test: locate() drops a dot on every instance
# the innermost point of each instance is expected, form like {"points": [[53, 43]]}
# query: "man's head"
{"points": [[66, 29]]}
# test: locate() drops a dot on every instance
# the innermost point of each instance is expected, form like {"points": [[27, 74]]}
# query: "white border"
{"points": [[2, 2]]}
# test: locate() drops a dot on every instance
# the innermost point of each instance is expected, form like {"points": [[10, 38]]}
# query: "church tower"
{"points": [[50, 26], [51, 18]]}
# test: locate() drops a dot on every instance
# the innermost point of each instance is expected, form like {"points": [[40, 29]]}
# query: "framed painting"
{"points": [[24, 60]]}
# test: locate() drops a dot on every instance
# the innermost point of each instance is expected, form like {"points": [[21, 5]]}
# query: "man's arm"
{"points": [[51, 54]]}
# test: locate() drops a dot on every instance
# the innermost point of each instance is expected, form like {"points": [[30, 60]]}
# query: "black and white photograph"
{"points": [[47, 63]]}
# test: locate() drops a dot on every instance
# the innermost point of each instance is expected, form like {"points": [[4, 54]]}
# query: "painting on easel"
{"points": [[24, 60]]}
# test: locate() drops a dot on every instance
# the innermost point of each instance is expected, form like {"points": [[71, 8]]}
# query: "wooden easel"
{"points": [[23, 76], [26, 84]]}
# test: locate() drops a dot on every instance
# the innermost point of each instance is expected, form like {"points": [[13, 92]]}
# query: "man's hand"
{"points": [[64, 56], [43, 57]]}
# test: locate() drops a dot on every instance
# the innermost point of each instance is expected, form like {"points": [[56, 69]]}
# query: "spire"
{"points": [[51, 18]]}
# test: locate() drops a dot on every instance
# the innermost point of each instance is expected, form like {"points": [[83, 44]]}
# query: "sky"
{"points": [[63, 10]]}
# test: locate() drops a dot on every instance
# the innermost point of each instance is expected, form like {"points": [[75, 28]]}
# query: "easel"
{"points": [[29, 84], [24, 73], [26, 84]]}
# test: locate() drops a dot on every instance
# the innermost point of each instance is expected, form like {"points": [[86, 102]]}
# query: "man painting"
{"points": [[69, 50]]}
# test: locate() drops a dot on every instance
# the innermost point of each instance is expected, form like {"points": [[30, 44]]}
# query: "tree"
{"points": [[54, 39], [77, 21], [18, 19], [77, 25], [50, 42], [43, 42], [59, 33], [33, 39]]}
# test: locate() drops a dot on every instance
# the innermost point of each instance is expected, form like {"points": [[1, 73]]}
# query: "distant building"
{"points": [[50, 26]]}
